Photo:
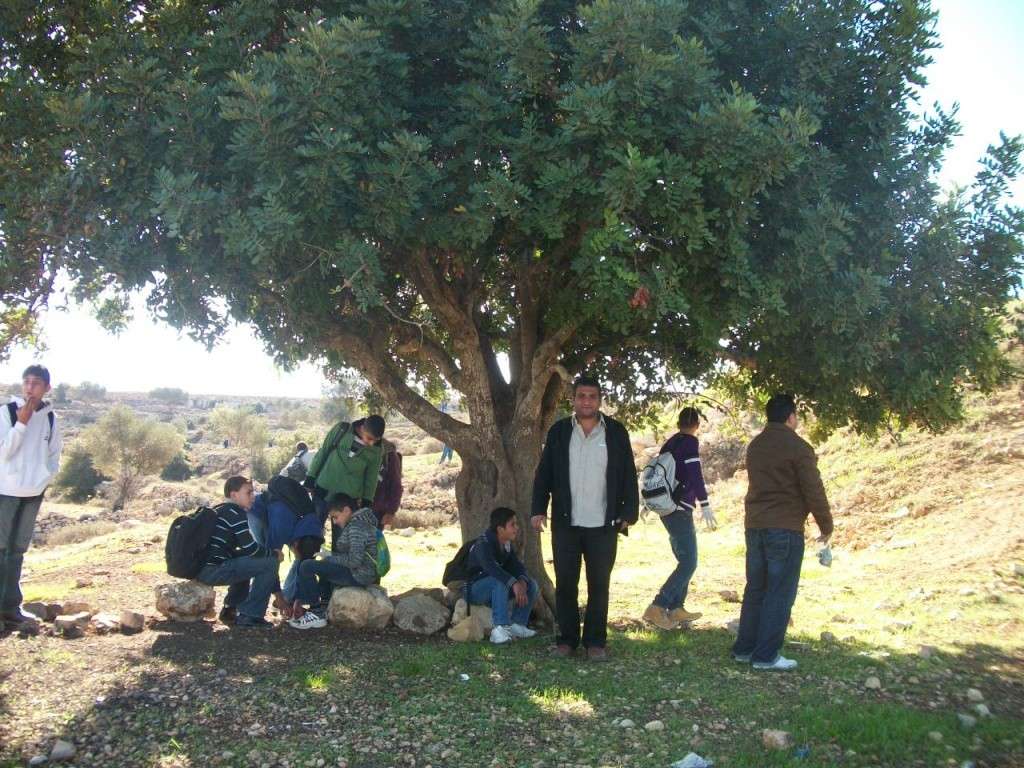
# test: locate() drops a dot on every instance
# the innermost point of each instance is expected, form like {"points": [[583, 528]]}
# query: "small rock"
{"points": [[62, 750], [967, 592], [841, 619], [775, 739], [82, 582], [1018, 569], [626, 723], [967, 721], [406, 532], [105, 623], [935, 736], [729, 595], [983, 710], [72, 623], [654, 725], [828, 637], [873, 684], [974, 695], [733, 626], [927, 651], [469, 630], [77, 606], [692, 760], [37, 760], [185, 600], [38, 610], [131, 621]]}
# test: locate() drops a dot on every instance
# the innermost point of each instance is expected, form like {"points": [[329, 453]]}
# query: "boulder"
{"points": [[185, 600], [775, 739], [360, 608], [131, 621], [453, 593], [72, 624], [434, 593], [76, 606], [62, 750], [40, 611], [481, 612], [421, 615], [105, 623], [469, 630]]}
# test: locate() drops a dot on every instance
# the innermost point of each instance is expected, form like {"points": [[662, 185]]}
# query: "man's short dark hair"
{"points": [[585, 381], [340, 501], [234, 484], [689, 417], [301, 448], [780, 407], [500, 517], [37, 370], [374, 424]]}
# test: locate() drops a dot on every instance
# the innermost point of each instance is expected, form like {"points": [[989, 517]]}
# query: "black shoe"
{"points": [[19, 621], [227, 615], [252, 622]]}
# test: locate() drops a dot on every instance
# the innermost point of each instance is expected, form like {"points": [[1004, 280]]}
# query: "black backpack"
{"points": [[292, 493], [458, 568], [187, 542]]}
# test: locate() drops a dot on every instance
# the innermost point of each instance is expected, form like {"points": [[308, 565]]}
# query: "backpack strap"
{"points": [[12, 410]]}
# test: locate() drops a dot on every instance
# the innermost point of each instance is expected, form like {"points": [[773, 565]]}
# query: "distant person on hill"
{"points": [[784, 486], [496, 574], [298, 467], [446, 450], [348, 462], [237, 560], [30, 446], [667, 610]]}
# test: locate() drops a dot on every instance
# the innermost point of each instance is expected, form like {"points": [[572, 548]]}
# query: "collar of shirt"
{"points": [[599, 426]]}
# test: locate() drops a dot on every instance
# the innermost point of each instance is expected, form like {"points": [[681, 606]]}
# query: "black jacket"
{"points": [[552, 478], [488, 557]]}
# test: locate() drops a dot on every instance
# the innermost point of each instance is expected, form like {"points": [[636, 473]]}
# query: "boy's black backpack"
{"points": [[292, 493], [458, 568], [187, 542]]}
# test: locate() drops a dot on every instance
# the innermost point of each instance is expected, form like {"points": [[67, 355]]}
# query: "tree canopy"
{"points": [[643, 189]]}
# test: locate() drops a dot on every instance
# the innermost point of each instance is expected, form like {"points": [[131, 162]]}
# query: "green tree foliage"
{"points": [[171, 395], [243, 429], [643, 189], [78, 477], [90, 392], [128, 447], [177, 469], [60, 394]]}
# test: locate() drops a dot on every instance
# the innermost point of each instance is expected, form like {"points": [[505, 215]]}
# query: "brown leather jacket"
{"points": [[784, 483]]}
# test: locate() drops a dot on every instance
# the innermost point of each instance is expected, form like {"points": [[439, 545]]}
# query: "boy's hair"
{"points": [[500, 517], [585, 381], [780, 407], [374, 424], [339, 501], [37, 370], [235, 484], [301, 448], [689, 417]]}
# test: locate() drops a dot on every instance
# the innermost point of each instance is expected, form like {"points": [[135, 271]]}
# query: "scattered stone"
{"points": [[729, 595], [481, 612], [131, 622], [83, 581], [185, 600], [1018, 569], [841, 619], [654, 725], [899, 626], [927, 651], [828, 637], [983, 710], [62, 750], [75, 607], [935, 736], [873, 684], [421, 615], [434, 593], [967, 592], [105, 623], [72, 624], [469, 630], [776, 739], [38, 760], [900, 513], [692, 760], [38, 610], [406, 532], [733, 626], [360, 608], [974, 695], [967, 721], [626, 723]]}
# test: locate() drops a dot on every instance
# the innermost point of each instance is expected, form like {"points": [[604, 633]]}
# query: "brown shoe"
{"points": [[659, 617], [562, 651], [597, 654], [680, 615]]}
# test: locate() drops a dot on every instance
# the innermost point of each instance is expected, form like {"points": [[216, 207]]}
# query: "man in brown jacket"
{"points": [[784, 486]]}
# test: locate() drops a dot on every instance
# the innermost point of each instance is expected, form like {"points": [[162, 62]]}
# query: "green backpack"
{"points": [[383, 560]]}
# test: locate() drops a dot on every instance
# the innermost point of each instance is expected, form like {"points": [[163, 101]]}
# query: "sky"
{"points": [[981, 66]]}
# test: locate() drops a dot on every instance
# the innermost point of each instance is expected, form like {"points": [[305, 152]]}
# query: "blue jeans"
{"points": [[683, 538], [446, 454], [774, 557], [318, 578], [236, 573], [17, 523], [490, 591]]}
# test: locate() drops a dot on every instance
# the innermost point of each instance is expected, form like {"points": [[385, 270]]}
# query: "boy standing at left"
{"points": [[30, 445]]}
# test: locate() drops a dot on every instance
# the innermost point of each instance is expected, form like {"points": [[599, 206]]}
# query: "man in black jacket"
{"points": [[587, 472]]}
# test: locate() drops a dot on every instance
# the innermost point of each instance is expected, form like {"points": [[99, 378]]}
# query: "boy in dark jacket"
{"points": [[495, 573]]}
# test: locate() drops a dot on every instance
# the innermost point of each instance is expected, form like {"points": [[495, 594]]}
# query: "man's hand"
{"points": [[538, 521], [26, 411], [823, 539], [519, 590], [623, 526]]}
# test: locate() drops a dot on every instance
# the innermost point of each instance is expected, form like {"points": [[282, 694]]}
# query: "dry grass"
{"points": [[73, 534]]}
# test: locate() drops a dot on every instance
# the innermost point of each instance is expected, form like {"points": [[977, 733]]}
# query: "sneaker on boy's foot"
{"points": [[781, 663], [252, 622], [227, 615], [308, 620], [742, 658], [500, 635], [680, 615], [519, 632], [659, 617]]}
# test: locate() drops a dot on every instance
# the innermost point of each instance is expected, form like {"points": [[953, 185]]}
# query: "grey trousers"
{"points": [[17, 523]]}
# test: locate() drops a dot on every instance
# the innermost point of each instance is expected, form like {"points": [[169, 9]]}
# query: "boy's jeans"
{"points": [[238, 571], [490, 591], [17, 522], [683, 538], [774, 557], [318, 578]]}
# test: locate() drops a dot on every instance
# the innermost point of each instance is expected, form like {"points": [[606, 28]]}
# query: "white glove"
{"points": [[708, 516]]}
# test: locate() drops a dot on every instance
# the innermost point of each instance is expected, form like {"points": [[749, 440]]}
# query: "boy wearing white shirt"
{"points": [[30, 445]]}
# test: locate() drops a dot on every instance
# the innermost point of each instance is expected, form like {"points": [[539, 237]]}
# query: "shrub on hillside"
{"points": [[78, 477], [171, 395], [89, 391], [177, 469], [72, 534]]}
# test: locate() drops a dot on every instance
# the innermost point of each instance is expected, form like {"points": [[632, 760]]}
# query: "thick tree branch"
{"points": [[422, 345]]}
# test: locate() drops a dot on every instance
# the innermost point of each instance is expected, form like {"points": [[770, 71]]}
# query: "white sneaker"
{"points": [[519, 632], [781, 664], [308, 620], [501, 635]]}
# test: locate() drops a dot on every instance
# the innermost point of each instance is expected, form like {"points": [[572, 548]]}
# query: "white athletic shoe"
{"points": [[501, 635], [308, 620], [780, 664], [519, 632]]}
